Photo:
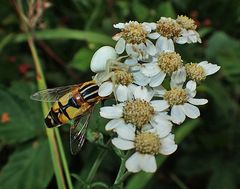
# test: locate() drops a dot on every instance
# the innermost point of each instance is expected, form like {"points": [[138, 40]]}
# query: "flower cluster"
{"points": [[143, 60]]}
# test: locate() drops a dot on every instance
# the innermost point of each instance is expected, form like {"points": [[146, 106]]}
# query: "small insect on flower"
{"points": [[74, 102]]}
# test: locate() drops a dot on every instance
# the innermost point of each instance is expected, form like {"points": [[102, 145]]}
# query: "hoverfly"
{"points": [[71, 103]]}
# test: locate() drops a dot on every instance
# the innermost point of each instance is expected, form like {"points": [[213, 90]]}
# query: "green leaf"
{"points": [[23, 114], [29, 167], [82, 59], [141, 179], [166, 9], [225, 51], [140, 11], [66, 34], [222, 178]]}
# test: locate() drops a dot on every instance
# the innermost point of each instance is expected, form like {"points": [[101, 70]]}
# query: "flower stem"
{"points": [[45, 106], [96, 165], [122, 175]]}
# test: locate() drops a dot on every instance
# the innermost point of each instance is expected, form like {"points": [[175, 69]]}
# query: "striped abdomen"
{"points": [[73, 104]]}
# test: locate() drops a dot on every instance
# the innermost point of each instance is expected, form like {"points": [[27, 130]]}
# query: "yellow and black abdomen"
{"points": [[62, 111], [73, 104]]}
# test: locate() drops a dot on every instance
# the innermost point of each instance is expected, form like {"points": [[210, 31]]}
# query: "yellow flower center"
{"points": [[168, 28], [147, 143], [195, 72], [169, 62], [123, 77], [137, 112], [134, 33], [186, 22], [176, 96]]}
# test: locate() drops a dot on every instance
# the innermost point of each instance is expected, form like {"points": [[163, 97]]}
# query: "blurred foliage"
{"points": [[66, 38]]}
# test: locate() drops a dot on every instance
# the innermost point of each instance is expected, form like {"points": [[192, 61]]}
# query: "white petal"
{"points": [[210, 69], [150, 69], [157, 79], [164, 44], [168, 145], [151, 49], [191, 85], [130, 50], [119, 25], [122, 93], [159, 91], [111, 112], [130, 61], [126, 132], [113, 124], [159, 105], [163, 127], [132, 164], [197, 101], [120, 46], [177, 114], [105, 89], [140, 78], [153, 35], [148, 163], [123, 144], [178, 78], [143, 93], [181, 40], [191, 111]]}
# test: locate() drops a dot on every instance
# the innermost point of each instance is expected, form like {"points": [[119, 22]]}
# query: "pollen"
{"points": [[123, 77], [195, 72], [176, 96], [186, 22], [168, 28], [169, 62], [147, 143], [137, 112], [134, 33]]}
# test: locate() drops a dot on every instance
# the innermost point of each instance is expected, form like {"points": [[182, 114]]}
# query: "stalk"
{"points": [[45, 107]]}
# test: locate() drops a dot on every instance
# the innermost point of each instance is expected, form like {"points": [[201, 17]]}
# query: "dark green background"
{"points": [[72, 31]]}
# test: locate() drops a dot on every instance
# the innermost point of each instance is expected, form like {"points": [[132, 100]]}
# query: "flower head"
{"points": [[133, 39], [140, 112], [147, 144], [199, 71]]}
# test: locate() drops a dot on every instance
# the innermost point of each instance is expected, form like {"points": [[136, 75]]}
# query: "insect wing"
{"points": [[77, 132], [52, 95]]}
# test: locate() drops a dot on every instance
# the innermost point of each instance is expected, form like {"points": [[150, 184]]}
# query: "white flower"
{"points": [[133, 39], [165, 63], [198, 72], [188, 33], [146, 145], [181, 101], [167, 30], [140, 112]]}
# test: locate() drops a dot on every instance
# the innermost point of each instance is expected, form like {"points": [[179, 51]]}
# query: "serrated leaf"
{"points": [[29, 167], [82, 59]]}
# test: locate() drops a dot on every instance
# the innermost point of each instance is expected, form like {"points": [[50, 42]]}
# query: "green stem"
{"points": [[45, 106], [96, 165], [122, 175], [64, 161]]}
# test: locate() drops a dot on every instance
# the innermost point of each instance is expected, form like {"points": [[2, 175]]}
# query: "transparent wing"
{"points": [[78, 131], [52, 95]]}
